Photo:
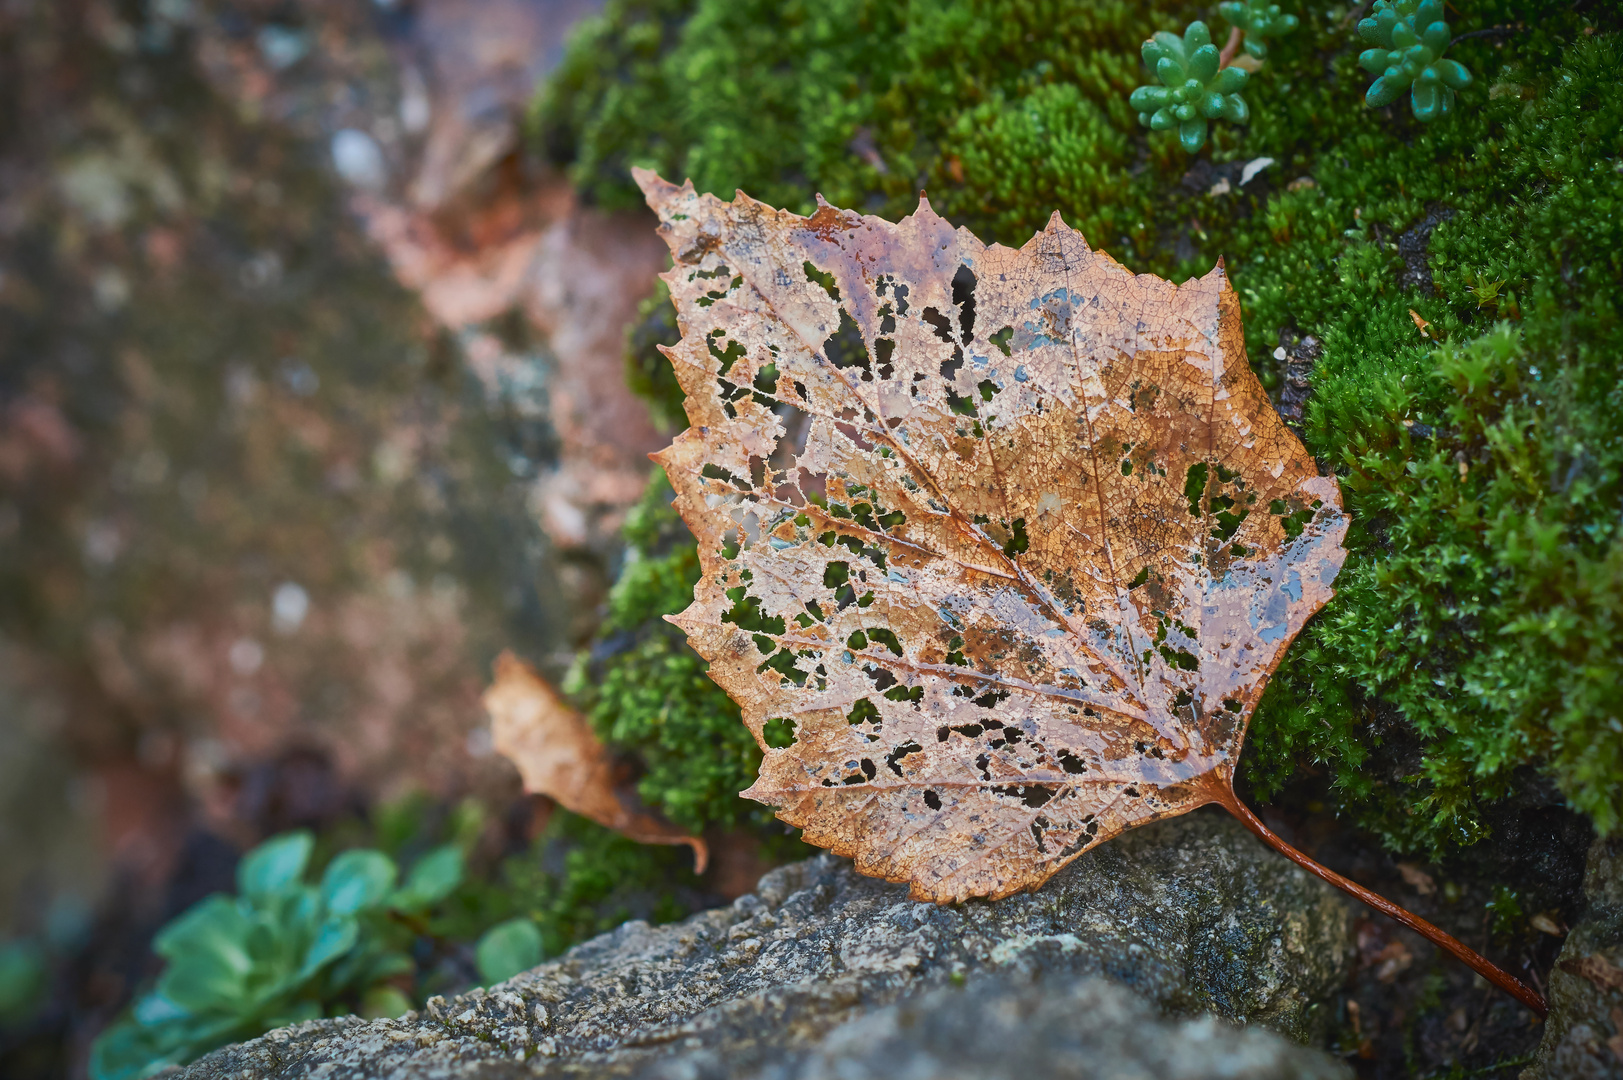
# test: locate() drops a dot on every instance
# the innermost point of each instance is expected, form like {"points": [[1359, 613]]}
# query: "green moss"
{"points": [[1476, 627], [646, 691]]}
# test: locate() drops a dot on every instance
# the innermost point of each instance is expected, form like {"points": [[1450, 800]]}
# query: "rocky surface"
{"points": [[1005, 1026], [1191, 914], [1583, 1036]]}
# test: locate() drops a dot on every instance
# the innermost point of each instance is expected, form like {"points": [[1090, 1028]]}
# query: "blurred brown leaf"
{"points": [[558, 755], [1000, 547]]}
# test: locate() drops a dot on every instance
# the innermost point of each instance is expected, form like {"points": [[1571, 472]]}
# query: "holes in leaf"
{"points": [[778, 732], [886, 637], [963, 294], [1293, 524], [1071, 763], [914, 694], [949, 367], [783, 662], [1001, 339], [955, 652], [1018, 543], [932, 800], [988, 389], [823, 278], [894, 758], [712, 471], [1140, 578], [1194, 486], [940, 324], [728, 357], [1182, 659], [845, 348], [963, 406], [862, 712], [746, 615], [882, 679], [884, 349], [1033, 795], [766, 385]]}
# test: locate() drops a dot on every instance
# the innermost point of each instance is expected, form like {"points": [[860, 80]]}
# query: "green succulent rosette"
{"points": [[1195, 87], [1258, 20], [1410, 38]]}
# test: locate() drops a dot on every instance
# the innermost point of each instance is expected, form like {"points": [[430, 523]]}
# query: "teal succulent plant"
{"points": [[1195, 86], [1410, 38], [1258, 20], [282, 950]]}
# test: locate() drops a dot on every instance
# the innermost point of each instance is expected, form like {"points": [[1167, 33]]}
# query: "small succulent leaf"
{"points": [[1163, 120], [357, 880], [1383, 91], [1230, 80], [336, 938], [1195, 36], [1435, 37], [507, 949], [1428, 13], [1374, 61], [1235, 109], [1149, 98], [1079, 646], [153, 1009], [216, 926], [1431, 101], [275, 865], [1453, 74], [1170, 71], [1192, 134], [1203, 63], [432, 878]]}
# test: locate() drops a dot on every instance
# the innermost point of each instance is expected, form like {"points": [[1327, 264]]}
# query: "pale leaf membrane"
{"points": [[999, 547]]}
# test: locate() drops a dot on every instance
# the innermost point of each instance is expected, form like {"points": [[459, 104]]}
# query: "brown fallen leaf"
{"points": [[1597, 969], [558, 755], [1544, 923], [1393, 961], [1417, 879], [1000, 547]]}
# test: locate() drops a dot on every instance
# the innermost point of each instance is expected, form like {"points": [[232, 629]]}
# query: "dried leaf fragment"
{"points": [[1000, 546], [558, 755], [1597, 969]]}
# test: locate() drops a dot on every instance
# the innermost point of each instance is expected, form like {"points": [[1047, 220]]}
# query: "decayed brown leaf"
{"points": [[999, 547], [558, 755], [1064, 537]]}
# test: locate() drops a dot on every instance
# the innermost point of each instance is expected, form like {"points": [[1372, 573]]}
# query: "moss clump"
{"points": [[1476, 629], [646, 691]]}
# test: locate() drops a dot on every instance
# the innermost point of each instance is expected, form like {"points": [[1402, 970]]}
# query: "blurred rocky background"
{"points": [[310, 403]]}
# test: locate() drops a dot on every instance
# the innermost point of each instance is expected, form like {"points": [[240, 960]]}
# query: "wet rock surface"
{"points": [[1583, 1036], [1192, 915]]}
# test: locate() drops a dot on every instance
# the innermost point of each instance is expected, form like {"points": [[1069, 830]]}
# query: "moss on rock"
{"points": [[1461, 280]]}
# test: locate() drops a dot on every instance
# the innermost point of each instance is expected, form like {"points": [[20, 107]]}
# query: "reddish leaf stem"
{"points": [[1478, 963], [1230, 47]]}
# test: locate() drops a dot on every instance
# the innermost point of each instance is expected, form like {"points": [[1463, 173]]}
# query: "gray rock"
{"points": [[1007, 1028], [1192, 914], [1583, 1037]]}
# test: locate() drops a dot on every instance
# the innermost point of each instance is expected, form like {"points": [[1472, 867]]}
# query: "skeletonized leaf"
{"points": [[1000, 547], [558, 755]]}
